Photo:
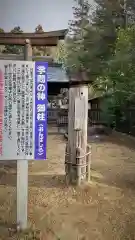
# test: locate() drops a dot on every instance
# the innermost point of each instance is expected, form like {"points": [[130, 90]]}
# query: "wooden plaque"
{"points": [[80, 110]]}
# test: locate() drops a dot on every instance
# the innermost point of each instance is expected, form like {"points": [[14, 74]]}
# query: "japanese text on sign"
{"points": [[41, 110]]}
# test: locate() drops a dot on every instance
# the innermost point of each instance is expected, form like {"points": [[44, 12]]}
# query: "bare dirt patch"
{"points": [[102, 210]]}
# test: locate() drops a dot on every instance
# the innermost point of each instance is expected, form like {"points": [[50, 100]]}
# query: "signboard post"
{"points": [[22, 170], [23, 121]]}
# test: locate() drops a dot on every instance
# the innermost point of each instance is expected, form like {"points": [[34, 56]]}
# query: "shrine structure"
{"points": [[36, 39]]}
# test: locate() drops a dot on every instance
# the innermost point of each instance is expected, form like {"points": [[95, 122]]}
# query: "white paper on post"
{"points": [[79, 112]]}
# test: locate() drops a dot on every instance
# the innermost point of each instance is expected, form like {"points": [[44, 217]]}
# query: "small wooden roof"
{"points": [[94, 93], [37, 39], [57, 78], [56, 74], [78, 77]]}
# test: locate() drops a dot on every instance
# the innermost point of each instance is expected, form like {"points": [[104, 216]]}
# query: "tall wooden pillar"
{"points": [[76, 150]]}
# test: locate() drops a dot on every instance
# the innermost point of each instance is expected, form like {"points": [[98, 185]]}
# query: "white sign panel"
{"points": [[23, 110], [79, 112]]}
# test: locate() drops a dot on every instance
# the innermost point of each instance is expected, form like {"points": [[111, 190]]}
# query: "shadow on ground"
{"points": [[47, 180], [123, 182], [114, 138]]}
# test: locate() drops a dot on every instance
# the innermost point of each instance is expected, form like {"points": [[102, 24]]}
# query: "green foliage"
{"points": [[61, 53], [92, 38], [77, 30], [1, 30], [119, 76], [121, 69], [108, 111], [2, 47]]}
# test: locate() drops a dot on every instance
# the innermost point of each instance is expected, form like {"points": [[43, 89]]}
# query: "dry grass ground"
{"points": [[102, 210]]}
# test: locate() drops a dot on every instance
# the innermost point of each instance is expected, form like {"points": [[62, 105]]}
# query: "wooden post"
{"points": [[22, 171], [75, 136], [27, 51]]}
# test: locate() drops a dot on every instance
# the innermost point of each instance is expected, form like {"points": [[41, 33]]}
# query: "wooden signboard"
{"points": [[79, 112]]}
